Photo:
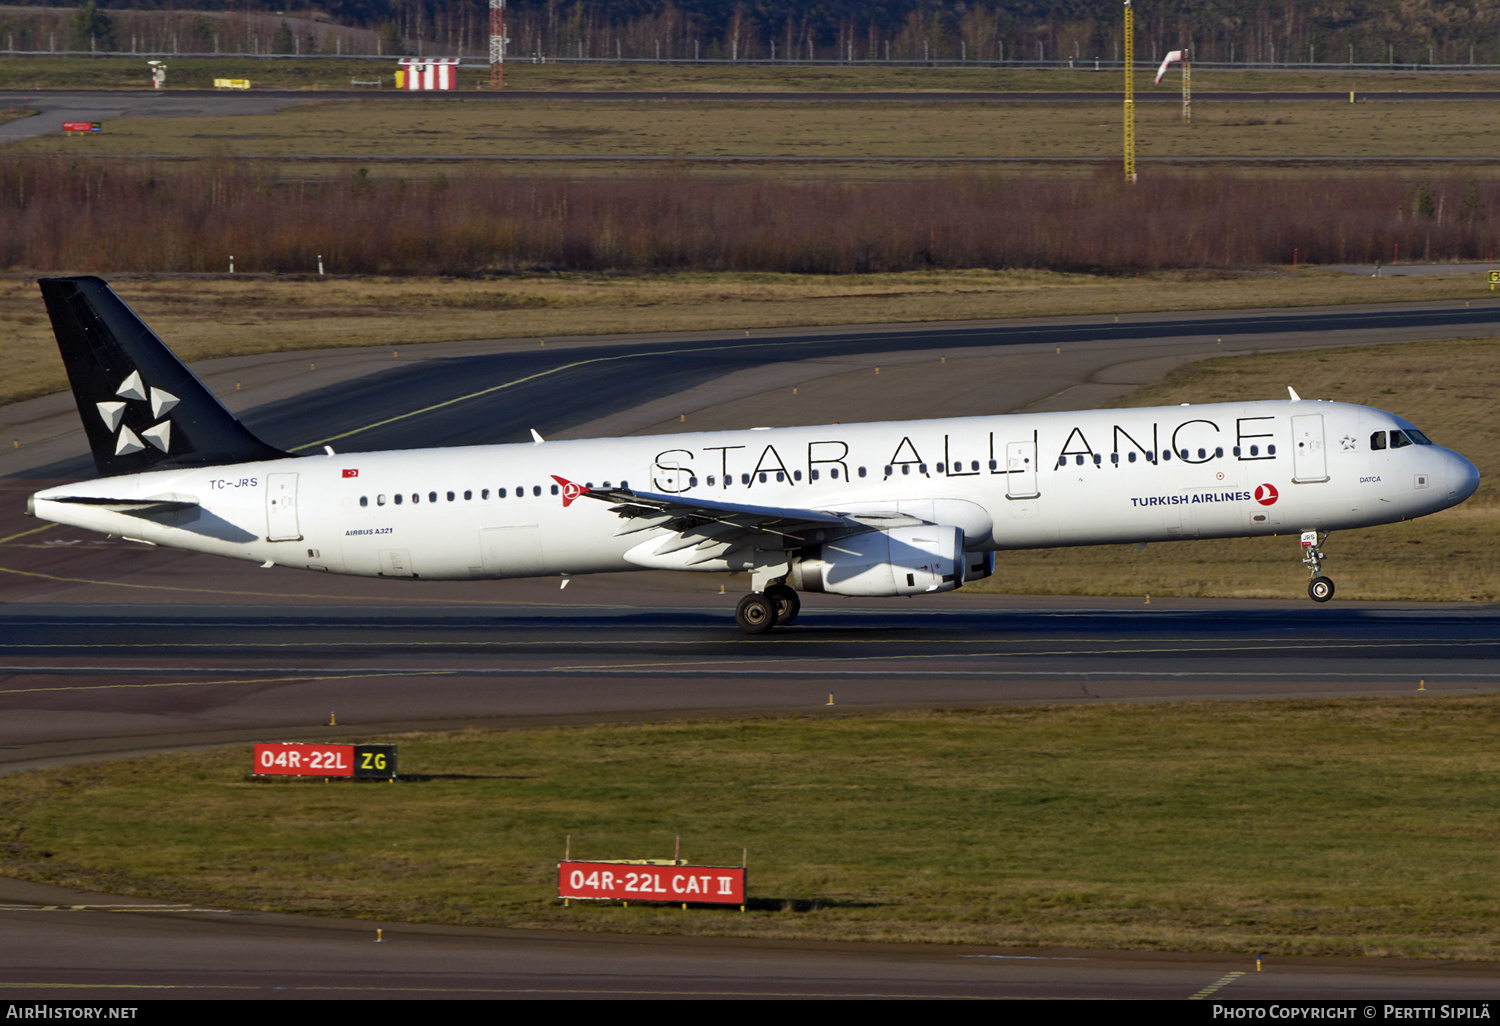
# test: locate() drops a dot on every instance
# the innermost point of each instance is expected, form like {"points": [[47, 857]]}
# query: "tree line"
{"points": [[1234, 31]]}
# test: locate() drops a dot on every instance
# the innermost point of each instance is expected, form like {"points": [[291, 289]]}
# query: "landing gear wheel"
{"points": [[755, 614], [788, 605], [1320, 589]]}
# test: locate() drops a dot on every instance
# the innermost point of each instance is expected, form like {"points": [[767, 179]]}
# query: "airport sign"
{"points": [[643, 881]]}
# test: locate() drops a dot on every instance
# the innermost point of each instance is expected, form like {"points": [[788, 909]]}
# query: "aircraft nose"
{"points": [[1463, 478]]}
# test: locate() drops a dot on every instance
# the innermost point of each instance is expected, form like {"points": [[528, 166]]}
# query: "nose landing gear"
{"points": [[1320, 588]]}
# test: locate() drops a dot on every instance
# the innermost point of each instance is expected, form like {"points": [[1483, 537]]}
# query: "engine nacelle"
{"points": [[898, 561]]}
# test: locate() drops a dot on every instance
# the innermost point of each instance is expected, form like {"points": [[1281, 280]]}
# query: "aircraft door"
{"points": [[669, 473], [1309, 460], [1020, 468], [281, 508]]}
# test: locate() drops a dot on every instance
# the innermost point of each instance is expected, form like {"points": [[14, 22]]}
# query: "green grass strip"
{"points": [[1347, 827]]}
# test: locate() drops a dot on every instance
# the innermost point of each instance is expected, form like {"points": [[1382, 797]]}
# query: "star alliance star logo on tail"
{"points": [[113, 412]]}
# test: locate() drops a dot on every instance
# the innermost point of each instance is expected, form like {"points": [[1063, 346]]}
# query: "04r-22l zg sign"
{"points": [[361, 762]]}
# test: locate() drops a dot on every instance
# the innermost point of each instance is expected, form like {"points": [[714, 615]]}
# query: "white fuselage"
{"points": [[1009, 482]]}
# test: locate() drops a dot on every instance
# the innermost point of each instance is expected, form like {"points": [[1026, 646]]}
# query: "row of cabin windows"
{"points": [[1166, 454], [1399, 439], [765, 476], [484, 493]]}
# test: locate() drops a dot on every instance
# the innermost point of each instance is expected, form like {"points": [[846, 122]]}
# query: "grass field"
{"points": [[1338, 827], [522, 76], [577, 129]]}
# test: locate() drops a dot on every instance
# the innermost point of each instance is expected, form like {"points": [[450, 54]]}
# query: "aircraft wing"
{"points": [[720, 528]]}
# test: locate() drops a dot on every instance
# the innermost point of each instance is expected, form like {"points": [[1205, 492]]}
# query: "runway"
{"points": [[108, 648]]}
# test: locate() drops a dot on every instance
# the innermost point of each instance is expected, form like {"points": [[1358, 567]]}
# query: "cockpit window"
{"points": [[1399, 440], [1418, 437], [1377, 441]]}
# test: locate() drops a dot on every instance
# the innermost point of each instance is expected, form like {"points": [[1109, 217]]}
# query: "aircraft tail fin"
{"points": [[142, 409]]}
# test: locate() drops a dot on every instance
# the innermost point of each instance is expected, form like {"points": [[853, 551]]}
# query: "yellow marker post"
{"points": [[1422, 684], [830, 698]]}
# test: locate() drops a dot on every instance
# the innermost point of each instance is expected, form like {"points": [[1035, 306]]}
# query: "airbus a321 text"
{"points": [[878, 509]]}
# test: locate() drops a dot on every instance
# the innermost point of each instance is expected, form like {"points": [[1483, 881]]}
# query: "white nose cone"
{"points": [[1463, 478]]}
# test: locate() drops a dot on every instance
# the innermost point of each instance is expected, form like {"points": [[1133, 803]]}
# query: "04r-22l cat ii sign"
{"points": [[878, 509]]}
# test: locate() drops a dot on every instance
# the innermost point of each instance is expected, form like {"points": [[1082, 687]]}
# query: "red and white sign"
{"points": [[1266, 494], [351, 472], [423, 73], [81, 126], [294, 760], [622, 881]]}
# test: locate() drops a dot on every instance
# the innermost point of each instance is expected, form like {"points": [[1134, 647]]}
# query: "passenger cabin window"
{"points": [[364, 500], [380, 500]]}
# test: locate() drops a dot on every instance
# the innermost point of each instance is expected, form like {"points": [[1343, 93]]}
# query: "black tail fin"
{"points": [[141, 408]]}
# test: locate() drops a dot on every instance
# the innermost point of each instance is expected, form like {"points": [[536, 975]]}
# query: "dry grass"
{"points": [[821, 130], [1449, 389], [206, 317], [1337, 827]]}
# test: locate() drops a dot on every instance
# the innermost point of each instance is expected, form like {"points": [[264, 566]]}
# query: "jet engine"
{"points": [[896, 561]]}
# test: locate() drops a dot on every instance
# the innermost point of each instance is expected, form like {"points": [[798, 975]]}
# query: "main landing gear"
{"points": [[1320, 588], [759, 611]]}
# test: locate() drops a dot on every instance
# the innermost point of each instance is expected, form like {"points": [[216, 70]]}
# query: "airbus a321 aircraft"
{"points": [[879, 509]]}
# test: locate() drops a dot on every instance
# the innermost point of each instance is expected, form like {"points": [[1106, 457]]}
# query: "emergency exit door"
{"points": [[1020, 466]]}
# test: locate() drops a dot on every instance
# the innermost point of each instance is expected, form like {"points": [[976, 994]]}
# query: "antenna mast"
{"points": [[497, 44], [1129, 93]]}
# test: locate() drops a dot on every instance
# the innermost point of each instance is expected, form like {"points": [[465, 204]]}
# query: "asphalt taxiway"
{"points": [[107, 647]]}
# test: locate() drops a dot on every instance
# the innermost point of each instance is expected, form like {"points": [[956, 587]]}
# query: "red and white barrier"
{"points": [[426, 73]]}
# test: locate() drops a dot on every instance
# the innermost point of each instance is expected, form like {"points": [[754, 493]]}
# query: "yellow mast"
{"points": [[1187, 87], [1129, 93]]}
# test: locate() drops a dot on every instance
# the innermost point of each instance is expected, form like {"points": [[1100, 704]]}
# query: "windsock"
{"points": [[1175, 55]]}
